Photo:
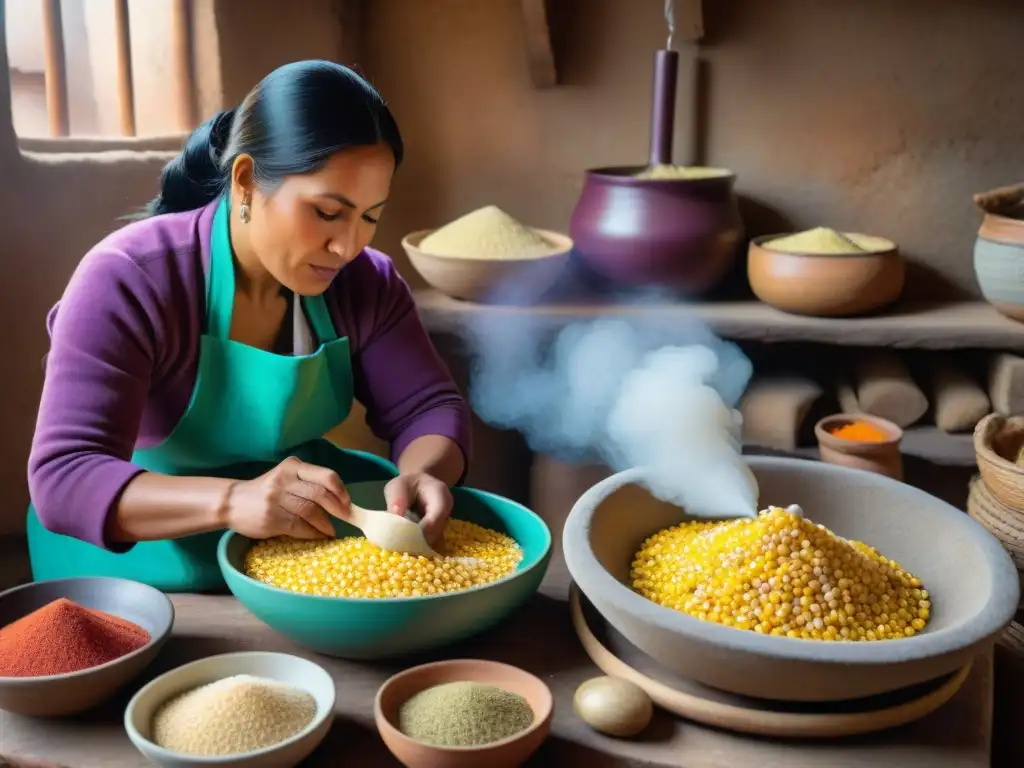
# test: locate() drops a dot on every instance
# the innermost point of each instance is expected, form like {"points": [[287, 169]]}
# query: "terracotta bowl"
{"points": [[491, 281], [997, 440], [507, 753], [972, 581], [58, 695], [998, 256], [882, 457], [824, 285]]}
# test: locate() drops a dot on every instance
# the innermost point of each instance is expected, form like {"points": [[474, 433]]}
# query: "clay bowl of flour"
{"points": [[488, 257]]}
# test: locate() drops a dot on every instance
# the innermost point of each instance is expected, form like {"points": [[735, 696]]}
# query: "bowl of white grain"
{"points": [[251, 710], [489, 257]]}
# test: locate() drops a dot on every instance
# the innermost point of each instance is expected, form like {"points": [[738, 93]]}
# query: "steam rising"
{"points": [[629, 394]]}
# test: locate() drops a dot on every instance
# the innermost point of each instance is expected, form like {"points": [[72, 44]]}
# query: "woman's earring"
{"points": [[243, 213]]}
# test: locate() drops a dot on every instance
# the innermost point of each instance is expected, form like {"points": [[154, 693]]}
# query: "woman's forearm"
{"points": [[435, 455], [154, 507]]}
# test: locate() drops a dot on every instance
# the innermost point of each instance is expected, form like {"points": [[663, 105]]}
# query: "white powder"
{"points": [[231, 716], [486, 233]]}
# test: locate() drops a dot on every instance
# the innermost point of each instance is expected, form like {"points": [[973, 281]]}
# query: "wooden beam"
{"points": [[55, 69], [125, 91], [540, 53], [182, 71], [689, 20]]}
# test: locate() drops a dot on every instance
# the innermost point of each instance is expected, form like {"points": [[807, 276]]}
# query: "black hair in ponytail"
{"points": [[290, 123]]}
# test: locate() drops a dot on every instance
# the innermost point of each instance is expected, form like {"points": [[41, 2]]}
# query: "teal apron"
{"points": [[250, 409]]}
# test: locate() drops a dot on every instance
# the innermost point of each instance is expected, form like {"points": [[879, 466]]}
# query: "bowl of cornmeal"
{"points": [[347, 598], [488, 257], [848, 583], [825, 273]]}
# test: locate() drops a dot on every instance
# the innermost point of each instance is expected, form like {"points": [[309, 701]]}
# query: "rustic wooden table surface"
{"points": [[538, 638]]}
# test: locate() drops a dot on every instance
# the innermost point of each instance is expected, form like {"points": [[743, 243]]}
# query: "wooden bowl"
{"points": [[998, 256], [58, 695], [507, 753], [824, 285], [972, 582], [997, 438], [882, 457], [281, 667], [491, 281]]}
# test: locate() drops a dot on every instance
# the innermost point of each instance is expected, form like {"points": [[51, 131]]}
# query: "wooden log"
{"points": [[1006, 384], [847, 396], [958, 401], [885, 388], [774, 410]]}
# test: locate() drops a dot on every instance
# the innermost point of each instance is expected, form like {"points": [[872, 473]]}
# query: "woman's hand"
{"points": [[429, 495], [293, 499]]}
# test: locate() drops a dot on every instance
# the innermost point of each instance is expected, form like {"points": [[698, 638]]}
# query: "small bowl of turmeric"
{"points": [[862, 442]]}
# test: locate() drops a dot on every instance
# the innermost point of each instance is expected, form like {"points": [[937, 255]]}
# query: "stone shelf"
{"points": [[925, 442], [960, 325]]}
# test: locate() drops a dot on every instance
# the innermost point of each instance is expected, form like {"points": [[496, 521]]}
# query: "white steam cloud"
{"points": [[629, 394]]}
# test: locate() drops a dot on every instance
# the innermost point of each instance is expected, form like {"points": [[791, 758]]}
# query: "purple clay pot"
{"points": [[682, 234]]}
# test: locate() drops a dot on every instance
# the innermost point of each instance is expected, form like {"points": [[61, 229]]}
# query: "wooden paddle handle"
{"points": [[1000, 199]]}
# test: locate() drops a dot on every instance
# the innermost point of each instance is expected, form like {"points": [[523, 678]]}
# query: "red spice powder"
{"points": [[63, 637]]}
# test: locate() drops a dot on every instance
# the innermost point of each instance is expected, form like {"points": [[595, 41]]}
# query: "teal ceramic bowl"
{"points": [[365, 628]]}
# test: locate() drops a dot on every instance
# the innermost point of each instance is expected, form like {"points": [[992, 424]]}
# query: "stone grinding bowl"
{"points": [[491, 281], [506, 753], [369, 628], [971, 580], [76, 692]]}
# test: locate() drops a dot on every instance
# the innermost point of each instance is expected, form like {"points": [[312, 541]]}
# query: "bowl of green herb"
{"points": [[463, 713]]}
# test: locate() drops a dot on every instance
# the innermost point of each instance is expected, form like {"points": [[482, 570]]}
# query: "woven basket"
{"points": [[1004, 523], [996, 438], [1013, 636]]}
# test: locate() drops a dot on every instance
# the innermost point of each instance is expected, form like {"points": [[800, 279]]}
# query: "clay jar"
{"points": [[999, 264], [882, 457], [677, 233]]}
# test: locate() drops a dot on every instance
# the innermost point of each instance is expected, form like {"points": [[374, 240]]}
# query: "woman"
{"points": [[199, 355]]}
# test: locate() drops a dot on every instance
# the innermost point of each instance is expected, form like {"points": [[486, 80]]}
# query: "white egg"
{"points": [[613, 706]]}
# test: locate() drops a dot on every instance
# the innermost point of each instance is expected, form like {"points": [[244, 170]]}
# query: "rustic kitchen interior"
{"points": [[900, 121]]}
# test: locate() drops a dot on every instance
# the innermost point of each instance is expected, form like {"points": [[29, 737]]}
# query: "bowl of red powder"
{"points": [[861, 441], [67, 645]]}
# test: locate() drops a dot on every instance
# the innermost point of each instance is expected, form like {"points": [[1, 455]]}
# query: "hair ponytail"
{"points": [[196, 176]]}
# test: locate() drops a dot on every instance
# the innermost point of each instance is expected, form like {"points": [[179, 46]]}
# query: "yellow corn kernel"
{"points": [[353, 567], [782, 575]]}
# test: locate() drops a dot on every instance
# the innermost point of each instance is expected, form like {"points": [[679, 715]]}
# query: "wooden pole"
{"points": [[125, 93], [181, 65], [55, 72]]}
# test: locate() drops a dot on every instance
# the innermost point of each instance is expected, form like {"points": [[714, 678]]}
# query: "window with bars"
{"points": [[100, 68]]}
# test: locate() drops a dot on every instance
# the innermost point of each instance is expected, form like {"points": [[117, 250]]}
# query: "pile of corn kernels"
{"points": [[780, 574], [353, 567]]}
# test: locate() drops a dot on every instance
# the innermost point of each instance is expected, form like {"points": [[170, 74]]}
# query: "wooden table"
{"points": [[538, 638]]}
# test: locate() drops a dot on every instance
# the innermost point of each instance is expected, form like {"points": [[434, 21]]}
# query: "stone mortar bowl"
{"points": [[972, 582]]}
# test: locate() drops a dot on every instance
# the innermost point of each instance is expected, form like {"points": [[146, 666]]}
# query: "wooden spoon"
{"points": [[390, 531]]}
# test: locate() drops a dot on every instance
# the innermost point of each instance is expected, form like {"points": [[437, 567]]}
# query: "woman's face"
{"points": [[312, 225]]}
